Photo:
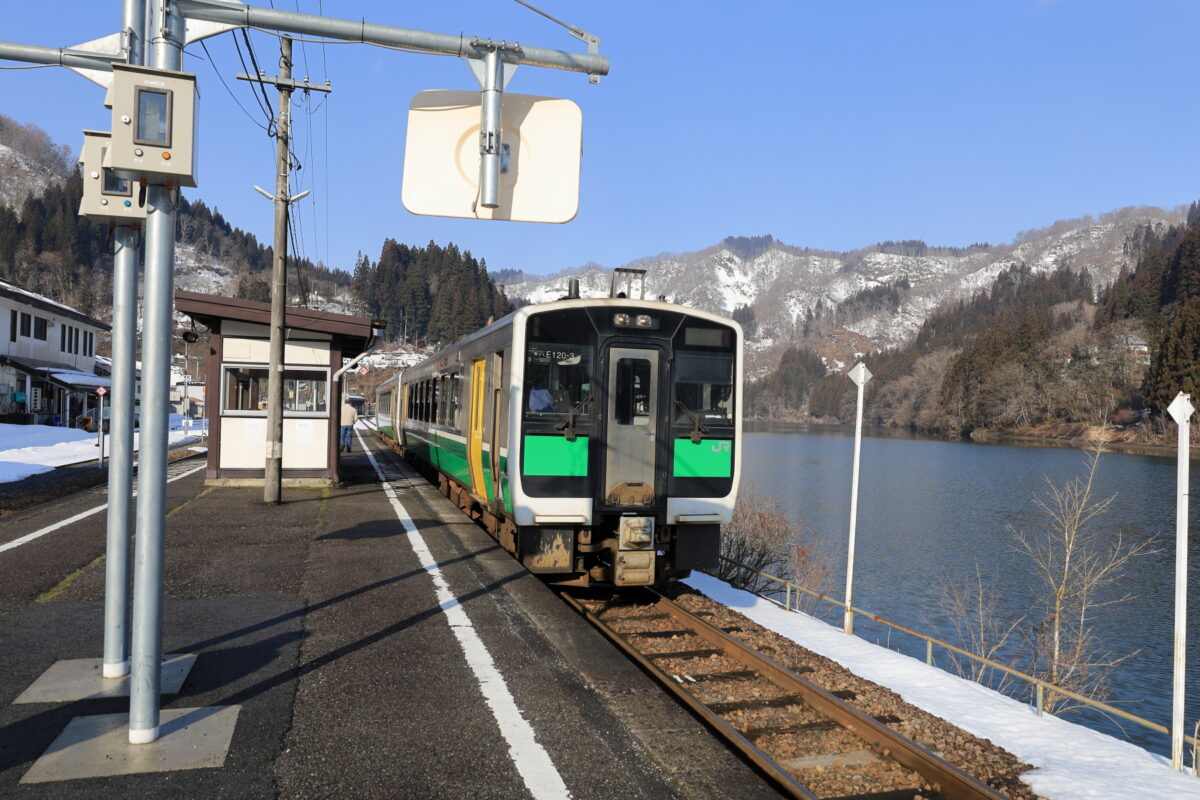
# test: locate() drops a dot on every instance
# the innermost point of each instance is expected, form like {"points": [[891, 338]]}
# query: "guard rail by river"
{"points": [[792, 590]]}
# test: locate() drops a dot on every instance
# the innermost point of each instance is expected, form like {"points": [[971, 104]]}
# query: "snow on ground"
{"points": [[1070, 762], [32, 449]]}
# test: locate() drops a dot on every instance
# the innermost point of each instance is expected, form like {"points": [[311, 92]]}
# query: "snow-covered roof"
{"points": [[28, 298], [79, 380]]}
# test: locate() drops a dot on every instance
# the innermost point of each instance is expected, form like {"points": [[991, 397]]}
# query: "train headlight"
{"points": [[644, 321]]}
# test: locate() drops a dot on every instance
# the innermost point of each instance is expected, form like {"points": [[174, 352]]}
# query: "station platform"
{"points": [[366, 658]]}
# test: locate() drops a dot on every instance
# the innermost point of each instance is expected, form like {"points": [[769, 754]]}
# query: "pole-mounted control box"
{"points": [[107, 197], [154, 125]]}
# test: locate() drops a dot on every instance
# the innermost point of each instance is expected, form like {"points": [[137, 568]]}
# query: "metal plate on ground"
{"points": [[98, 746], [82, 679]]}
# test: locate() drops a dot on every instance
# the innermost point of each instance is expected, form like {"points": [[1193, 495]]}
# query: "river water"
{"points": [[932, 510]]}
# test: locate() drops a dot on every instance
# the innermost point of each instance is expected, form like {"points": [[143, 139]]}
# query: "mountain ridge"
{"points": [[788, 288]]}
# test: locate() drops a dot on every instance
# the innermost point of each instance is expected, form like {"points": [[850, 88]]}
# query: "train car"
{"points": [[385, 398], [597, 439]]}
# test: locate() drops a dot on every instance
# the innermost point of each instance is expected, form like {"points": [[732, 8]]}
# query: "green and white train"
{"points": [[596, 439]]}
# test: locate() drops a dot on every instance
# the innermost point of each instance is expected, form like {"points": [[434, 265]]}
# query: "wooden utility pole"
{"points": [[273, 469]]}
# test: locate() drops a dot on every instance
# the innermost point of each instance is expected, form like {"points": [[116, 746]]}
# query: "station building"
{"points": [[236, 369], [48, 370]]}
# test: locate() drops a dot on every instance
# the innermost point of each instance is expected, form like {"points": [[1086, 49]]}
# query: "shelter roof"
{"points": [[355, 332]]}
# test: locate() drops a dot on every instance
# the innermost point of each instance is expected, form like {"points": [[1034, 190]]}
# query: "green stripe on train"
{"points": [[555, 455], [709, 458], [450, 455], [388, 431]]}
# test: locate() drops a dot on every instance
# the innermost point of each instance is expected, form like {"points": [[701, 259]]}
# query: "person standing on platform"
{"points": [[349, 417]]}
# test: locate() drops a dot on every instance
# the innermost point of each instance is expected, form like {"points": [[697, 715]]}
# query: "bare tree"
{"points": [[980, 626], [810, 564], [1072, 566], [754, 541]]}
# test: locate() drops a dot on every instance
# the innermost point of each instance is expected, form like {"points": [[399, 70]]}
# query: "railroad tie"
{"points": [[783, 701], [684, 654]]}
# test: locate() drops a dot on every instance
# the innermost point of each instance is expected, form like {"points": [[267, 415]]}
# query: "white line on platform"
{"points": [[530, 758], [29, 537]]}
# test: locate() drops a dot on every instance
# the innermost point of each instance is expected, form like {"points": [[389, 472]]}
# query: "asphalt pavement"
{"points": [[353, 675]]}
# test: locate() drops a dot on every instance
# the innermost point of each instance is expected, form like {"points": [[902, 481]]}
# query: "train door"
{"points": [[475, 425], [632, 421], [496, 440]]}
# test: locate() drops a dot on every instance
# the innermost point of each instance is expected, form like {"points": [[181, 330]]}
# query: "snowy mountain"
{"points": [[201, 272], [21, 177], [785, 285]]}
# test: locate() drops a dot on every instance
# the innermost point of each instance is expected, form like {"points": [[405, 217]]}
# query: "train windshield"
{"points": [[558, 365], [703, 376]]}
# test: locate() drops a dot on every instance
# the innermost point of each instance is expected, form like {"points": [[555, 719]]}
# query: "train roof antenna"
{"points": [[628, 282]]}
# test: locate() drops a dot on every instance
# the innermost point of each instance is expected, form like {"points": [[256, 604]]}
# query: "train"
{"points": [[597, 439]]}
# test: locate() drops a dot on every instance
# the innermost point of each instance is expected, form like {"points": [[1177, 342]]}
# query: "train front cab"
{"points": [[628, 416]]}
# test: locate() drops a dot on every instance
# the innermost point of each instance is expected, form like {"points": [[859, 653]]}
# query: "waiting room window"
{"points": [[305, 391]]}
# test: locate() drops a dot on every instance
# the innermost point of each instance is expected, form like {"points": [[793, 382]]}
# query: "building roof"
{"points": [[28, 298], [63, 375], [208, 309]]}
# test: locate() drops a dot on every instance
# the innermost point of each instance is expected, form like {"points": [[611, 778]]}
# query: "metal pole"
{"points": [[100, 432], [273, 473], [59, 56], [1181, 411], [355, 30], [124, 388], [168, 32], [860, 375], [489, 131]]}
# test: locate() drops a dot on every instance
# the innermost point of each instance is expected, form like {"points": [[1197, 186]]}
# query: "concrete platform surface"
{"points": [[320, 621]]}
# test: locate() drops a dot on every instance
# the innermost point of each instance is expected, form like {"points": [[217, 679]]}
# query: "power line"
{"points": [[213, 65], [267, 108]]}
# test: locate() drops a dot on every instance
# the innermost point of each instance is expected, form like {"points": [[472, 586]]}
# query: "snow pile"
{"points": [[1070, 762], [32, 449]]}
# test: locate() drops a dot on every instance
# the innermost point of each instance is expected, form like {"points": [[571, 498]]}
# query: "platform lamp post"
{"points": [[189, 338], [1181, 410], [860, 375]]}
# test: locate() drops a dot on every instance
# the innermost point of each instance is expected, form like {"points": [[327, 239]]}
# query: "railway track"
{"points": [[812, 743]]}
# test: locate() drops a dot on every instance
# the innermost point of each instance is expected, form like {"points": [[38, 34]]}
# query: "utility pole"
{"points": [[273, 472]]}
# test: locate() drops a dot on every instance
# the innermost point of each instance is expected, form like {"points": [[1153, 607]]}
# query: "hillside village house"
{"points": [[47, 360]]}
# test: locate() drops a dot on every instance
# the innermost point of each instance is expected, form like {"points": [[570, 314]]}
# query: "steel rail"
{"points": [[760, 759], [950, 781]]}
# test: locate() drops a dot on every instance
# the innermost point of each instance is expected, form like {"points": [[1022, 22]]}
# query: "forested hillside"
{"points": [[427, 294], [46, 247], [1162, 297], [1031, 354]]}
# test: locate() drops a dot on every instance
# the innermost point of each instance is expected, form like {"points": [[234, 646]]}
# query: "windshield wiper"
{"points": [[567, 426], [697, 428]]}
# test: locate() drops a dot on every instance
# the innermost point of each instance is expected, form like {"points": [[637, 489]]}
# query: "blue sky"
{"points": [[829, 125]]}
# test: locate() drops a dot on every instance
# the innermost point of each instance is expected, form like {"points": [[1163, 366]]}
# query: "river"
{"points": [[932, 510]]}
